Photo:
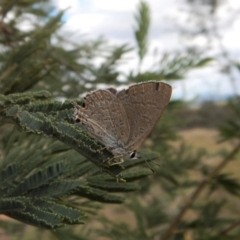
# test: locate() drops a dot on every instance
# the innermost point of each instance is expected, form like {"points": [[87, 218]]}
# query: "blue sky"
{"points": [[115, 21]]}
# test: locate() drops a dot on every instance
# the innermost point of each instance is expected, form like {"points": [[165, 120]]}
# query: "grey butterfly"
{"points": [[122, 120]]}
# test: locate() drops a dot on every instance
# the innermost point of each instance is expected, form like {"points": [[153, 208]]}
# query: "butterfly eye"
{"points": [[133, 154], [83, 105], [77, 120]]}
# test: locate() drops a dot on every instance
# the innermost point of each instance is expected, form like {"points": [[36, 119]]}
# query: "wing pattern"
{"points": [[122, 120], [104, 117]]}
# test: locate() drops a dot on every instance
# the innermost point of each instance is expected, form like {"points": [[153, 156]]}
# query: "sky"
{"points": [[169, 20]]}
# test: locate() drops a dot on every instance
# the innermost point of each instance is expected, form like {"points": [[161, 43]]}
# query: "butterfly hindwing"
{"points": [[144, 104]]}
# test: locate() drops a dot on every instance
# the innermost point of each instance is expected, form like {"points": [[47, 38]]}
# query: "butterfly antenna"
{"points": [[157, 164], [146, 161], [154, 172]]}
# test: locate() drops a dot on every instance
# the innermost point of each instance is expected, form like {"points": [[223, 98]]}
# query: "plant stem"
{"points": [[197, 191], [229, 228]]}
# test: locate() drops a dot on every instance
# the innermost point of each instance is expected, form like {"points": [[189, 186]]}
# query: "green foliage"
{"points": [[30, 62], [228, 183], [107, 71], [230, 129], [52, 173], [175, 180], [33, 193], [141, 33], [172, 66], [35, 183]]}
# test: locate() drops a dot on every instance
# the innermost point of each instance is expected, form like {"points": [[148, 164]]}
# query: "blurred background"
{"points": [[71, 47], [210, 28]]}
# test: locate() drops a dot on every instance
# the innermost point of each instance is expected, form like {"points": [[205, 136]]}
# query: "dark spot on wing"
{"points": [[112, 90]]}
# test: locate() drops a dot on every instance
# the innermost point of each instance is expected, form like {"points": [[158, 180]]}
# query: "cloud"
{"points": [[115, 21]]}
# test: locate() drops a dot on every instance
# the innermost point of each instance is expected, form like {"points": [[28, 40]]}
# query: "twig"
{"points": [[197, 191], [229, 228]]}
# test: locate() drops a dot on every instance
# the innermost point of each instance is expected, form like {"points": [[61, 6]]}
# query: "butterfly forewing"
{"points": [[105, 118]]}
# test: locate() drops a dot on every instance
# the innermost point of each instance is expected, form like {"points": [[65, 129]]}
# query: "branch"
{"points": [[229, 228], [197, 191]]}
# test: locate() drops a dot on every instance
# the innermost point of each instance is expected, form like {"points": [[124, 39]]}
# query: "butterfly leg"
{"points": [[119, 178], [114, 161]]}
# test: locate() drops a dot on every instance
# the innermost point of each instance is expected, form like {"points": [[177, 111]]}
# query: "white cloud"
{"points": [[63, 4], [115, 6], [115, 21], [84, 23]]}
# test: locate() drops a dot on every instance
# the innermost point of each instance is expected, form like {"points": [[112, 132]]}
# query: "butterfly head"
{"points": [[133, 155]]}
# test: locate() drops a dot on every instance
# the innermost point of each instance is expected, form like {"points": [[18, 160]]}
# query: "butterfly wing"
{"points": [[104, 117], [144, 104]]}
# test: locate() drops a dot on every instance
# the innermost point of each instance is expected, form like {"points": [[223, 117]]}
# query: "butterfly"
{"points": [[122, 120]]}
